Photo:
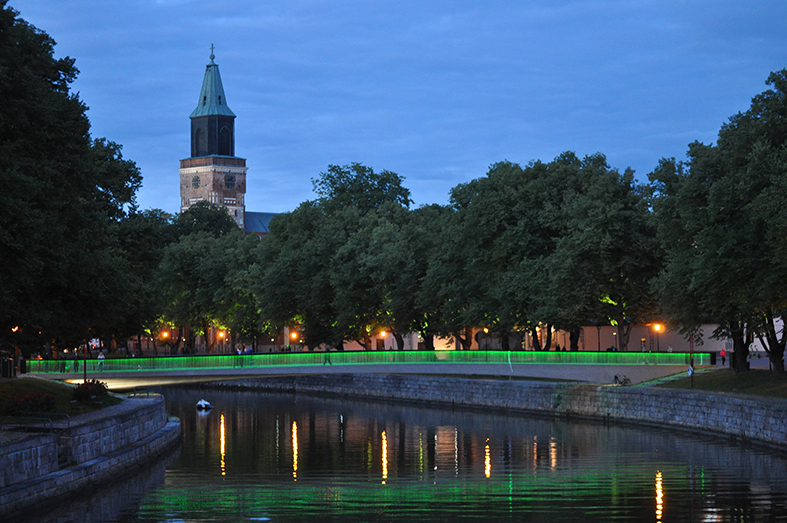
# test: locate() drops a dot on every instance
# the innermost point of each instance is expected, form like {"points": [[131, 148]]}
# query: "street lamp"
{"points": [[657, 328]]}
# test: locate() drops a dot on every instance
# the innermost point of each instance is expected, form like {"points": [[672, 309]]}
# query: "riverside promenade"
{"points": [[579, 367]]}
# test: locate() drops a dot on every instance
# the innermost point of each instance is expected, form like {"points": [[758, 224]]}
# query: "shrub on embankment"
{"points": [[13, 389]]}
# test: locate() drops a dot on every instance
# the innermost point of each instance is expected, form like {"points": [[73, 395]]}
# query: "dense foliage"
{"points": [[62, 270], [567, 243]]}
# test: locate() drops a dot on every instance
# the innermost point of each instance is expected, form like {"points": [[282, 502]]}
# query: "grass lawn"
{"points": [[757, 382], [14, 387]]}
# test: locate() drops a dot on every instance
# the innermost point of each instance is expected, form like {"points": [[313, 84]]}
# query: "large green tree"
{"points": [[61, 268], [315, 270], [144, 237], [560, 244], [721, 217], [205, 274]]}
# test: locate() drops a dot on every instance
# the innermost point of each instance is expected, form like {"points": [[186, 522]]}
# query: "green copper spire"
{"points": [[211, 98]]}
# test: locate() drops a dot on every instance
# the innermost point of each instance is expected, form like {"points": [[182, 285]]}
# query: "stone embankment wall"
{"points": [[96, 447], [25, 457], [108, 430], [760, 420]]}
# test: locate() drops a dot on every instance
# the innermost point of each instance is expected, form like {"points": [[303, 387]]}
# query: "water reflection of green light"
{"points": [[369, 462], [522, 492]]}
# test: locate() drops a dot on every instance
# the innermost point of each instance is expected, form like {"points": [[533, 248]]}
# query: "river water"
{"points": [[281, 458]]}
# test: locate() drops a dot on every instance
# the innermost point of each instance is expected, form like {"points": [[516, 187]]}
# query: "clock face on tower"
{"points": [[195, 182], [229, 181]]}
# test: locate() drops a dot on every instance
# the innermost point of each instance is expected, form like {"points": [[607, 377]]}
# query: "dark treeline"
{"points": [[565, 244]]}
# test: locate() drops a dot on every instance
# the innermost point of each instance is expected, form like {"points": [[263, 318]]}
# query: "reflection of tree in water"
{"points": [[435, 462]]}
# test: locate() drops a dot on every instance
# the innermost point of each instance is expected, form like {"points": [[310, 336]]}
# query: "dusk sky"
{"points": [[434, 91]]}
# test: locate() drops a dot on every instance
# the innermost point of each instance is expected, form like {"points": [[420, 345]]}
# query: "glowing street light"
{"points": [[657, 327]]}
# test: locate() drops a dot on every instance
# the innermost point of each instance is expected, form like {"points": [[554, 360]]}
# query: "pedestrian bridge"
{"points": [[590, 367]]}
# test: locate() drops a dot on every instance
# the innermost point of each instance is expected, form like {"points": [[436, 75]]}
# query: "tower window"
{"points": [[225, 141], [200, 143], [204, 100], [219, 100], [195, 182], [229, 181]]}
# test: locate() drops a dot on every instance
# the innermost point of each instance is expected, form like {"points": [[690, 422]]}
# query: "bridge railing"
{"points": [[204, 362]]}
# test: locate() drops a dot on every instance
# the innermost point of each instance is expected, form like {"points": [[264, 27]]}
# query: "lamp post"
{"points": [[657, 328], [615, 340]]}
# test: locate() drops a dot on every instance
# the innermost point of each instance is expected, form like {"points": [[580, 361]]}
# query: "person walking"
{"points": [[101, 361], [723, 357]]}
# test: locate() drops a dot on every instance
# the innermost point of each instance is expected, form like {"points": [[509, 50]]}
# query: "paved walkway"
{"points": [[600, 374]]}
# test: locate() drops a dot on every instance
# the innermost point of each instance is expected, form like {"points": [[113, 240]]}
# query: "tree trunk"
{"points": [[191, 341], [534, 337], [465, 340], [548, 342], [573, 338], [177, 342], [505, 341], [428, 340], [740, 349], [209, 342], [624, 333], [773, 345], [399, 340]]}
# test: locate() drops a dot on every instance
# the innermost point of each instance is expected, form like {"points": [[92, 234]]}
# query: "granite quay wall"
{"points": [[760, 420], [97, 448], [24, 456], [107, 430]]}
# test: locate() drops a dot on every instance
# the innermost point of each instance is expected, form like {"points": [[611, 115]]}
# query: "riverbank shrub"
{"points": [[32, 402], [91, 389]]}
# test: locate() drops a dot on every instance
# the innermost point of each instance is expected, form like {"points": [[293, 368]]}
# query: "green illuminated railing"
{"points": [[298, 359]]}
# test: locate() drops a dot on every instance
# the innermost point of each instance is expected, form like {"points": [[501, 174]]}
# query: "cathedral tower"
{"points": [[213, 172]]}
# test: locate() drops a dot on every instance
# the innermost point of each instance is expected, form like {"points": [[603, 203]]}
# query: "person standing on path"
{"points": [[101, 361], [723, 357]]}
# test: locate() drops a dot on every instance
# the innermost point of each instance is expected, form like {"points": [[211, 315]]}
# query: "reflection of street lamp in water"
{"points": [[657, 328]]}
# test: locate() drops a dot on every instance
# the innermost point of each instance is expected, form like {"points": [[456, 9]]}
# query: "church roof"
{"points": [[257, 222], [211, 97]]}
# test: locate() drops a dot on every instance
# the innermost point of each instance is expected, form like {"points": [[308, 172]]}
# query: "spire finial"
{"points": [[212, 56]]}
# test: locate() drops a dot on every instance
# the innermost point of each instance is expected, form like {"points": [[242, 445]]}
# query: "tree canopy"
{"points": [[567, 243], [719, 214], [62, 270]]}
